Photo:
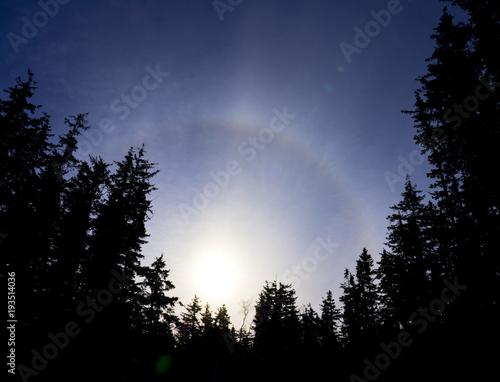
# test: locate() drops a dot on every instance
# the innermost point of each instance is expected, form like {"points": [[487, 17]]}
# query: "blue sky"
{"points": [[300, 135]]}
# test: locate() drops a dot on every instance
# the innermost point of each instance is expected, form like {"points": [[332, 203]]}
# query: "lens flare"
{"points": [[163, 364]]}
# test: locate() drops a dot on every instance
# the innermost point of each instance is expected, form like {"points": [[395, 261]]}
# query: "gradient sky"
{"points": [[317, 178]]}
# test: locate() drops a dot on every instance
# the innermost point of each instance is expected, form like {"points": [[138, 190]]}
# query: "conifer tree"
{"points": [[310, 329], [115, 246], [157, 306], [405, 269], [367, 292], [456, 115], [276, 326], [189, 325], [207, 320], [389, 275], [84, 195], [120, 228], [31, 211], [329, 322], [351, 328], [222, 319], [360, 299]]}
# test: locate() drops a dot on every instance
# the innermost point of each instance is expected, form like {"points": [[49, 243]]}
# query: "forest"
{"points": [[71, 233]]}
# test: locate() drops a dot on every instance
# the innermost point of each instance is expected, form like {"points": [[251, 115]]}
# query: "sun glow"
{"points": [[216, 272]]}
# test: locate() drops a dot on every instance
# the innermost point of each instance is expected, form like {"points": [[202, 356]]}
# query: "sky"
{"points": [[276, 125]]}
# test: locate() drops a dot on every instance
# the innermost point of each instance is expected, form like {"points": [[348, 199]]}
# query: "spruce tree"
{"points": [[31, 212], [405, 269], [389, 274], [189, 326], [207, 320], [276, 327], [329, 322], [158, 308], [360, 315], [351, 327], [310, 330], [222, 320], [367, 292], [81, 202], [456, 115]]}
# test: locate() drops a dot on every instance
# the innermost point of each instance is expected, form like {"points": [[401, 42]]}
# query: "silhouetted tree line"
{"points": [[72, 231]]}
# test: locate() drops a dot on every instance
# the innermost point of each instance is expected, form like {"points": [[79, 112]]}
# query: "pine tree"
{"points": [[115, 244], [276, 314], [389, 274], [222, 319], [456, 115], [365, 277], [120, 227], [84, 195], [351, 328], [310, 330], [207, 321], [157, 306], [24, 152], [25, 149], [360, 299], [31, 212], [276, 326], [404, 271], [329, 322], [189, 326], [65, 224]]}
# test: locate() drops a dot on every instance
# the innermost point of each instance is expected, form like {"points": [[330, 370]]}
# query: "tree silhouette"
{"points": [[310, 330], [351, 328], [456, 116], [360, 299], [222, 319], [158, 313], [189, 325], [329, 323], [276, 326], [69, 224], [207, 320], [31, 213], [404, 271]]}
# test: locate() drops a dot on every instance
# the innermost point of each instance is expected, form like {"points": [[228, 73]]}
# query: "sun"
{"points": [[216, 273]]}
